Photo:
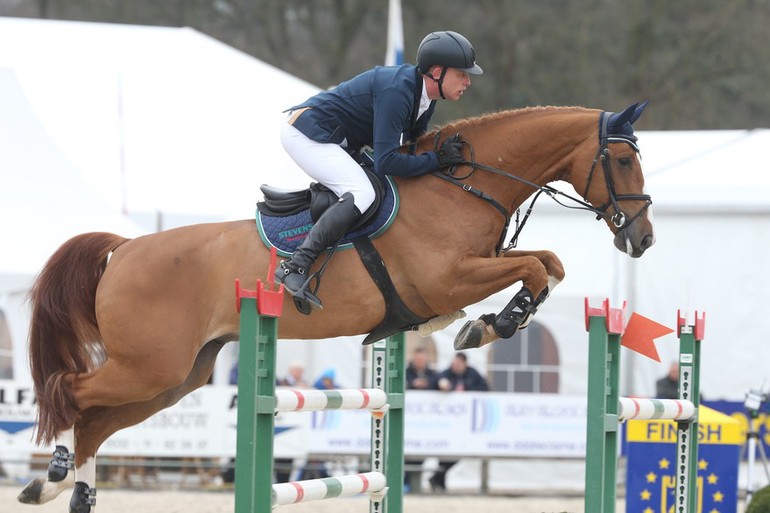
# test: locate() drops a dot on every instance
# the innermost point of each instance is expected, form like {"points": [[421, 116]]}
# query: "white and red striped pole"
{"points": [[328, 488], [319, 400], [655, 409]]}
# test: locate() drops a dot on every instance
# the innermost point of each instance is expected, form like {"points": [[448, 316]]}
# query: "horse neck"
{"points": [[539, 145]]}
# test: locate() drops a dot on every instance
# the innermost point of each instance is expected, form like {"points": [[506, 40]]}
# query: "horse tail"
{"points": [[64, 337]]}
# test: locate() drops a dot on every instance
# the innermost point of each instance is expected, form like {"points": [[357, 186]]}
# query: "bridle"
{"points": [[618, 217], [602, 154]]}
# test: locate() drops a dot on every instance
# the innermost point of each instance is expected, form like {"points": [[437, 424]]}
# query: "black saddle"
{"points": [[282, 202]]}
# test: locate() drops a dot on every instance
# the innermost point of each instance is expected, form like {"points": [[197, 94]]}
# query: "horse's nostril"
{"points": [[646, 242]]}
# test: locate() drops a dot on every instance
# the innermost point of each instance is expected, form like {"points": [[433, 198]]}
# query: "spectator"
{"points": [[667, 387], [459, 377], [296, 376], [326, 381], [419, 375]]}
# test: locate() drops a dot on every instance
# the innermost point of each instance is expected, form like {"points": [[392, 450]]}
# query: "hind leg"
{"points": [[518, 313], [96, 424], [60, 475]]}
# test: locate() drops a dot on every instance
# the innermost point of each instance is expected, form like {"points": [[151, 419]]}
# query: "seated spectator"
{"points": [[326, 381], [667, 387], [460, 376], [296, 376], [419, 375]]}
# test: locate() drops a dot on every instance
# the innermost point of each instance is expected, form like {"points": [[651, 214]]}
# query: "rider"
{"points": [[376, 108]]}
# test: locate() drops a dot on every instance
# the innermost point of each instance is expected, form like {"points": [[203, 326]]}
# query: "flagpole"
{"points": [[394, 55]]}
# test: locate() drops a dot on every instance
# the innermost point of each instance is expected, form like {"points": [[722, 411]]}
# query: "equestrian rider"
{"points": [[381, 108]]}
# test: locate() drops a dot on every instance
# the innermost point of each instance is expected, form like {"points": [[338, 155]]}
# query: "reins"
{"points": [[619, 219]]}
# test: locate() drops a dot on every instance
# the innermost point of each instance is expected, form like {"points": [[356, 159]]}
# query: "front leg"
{"points": [[518, 313], [553, 268], [491, 327]]}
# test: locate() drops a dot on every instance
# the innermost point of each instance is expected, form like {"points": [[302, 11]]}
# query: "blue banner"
{"points": [[651, 479]]}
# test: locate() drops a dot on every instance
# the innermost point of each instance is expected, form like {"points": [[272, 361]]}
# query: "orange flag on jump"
{"points": [[640, 333]]}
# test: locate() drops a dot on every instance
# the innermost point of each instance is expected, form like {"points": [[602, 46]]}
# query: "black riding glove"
{"points": [[451, 152]]}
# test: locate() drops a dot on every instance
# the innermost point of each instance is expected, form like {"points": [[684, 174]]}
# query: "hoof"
{"points": [[469, 337], [41, 490], [32, 493]]}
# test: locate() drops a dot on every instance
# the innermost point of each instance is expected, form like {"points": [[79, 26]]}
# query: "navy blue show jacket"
{"points": [[375, 108]]}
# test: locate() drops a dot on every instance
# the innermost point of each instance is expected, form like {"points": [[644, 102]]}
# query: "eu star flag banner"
{"points": [[651, 478], [395, 52]]}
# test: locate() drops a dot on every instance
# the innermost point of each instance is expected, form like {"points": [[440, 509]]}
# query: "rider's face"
{"points": [[455, 83]]}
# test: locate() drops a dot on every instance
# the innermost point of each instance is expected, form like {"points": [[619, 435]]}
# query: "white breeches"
{"points": [[328, 164]]}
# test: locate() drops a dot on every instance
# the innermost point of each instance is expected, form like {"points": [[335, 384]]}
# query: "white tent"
{"points": [[157, 119]]}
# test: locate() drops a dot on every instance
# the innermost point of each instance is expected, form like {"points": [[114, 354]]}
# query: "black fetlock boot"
{"points": [[83, 498], [295, 272], [508, 321], [533, 309], [62, 461]]}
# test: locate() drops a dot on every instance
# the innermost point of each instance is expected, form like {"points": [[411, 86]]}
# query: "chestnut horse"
{"points": [[122, 329]]}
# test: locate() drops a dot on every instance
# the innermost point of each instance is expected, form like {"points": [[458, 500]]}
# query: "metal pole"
{"points": [[389, 373], [687, 431], [256, 410], [602, 421]]}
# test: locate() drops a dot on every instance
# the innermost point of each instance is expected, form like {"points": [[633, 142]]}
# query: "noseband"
{"points": [[619, 219]]}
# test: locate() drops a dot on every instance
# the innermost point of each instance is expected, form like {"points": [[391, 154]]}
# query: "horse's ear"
{"points": [[621, 123], [639, 108], [616, 120]]}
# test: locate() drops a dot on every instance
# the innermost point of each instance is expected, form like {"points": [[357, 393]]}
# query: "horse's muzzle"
{"points": [[636, 238]]}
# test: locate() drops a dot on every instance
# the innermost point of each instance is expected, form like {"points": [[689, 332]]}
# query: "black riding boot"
{"points": [[332, 225]]}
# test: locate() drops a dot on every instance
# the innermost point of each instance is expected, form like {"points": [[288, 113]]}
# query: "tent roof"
{"points": [[157, 119], [43, 199]]}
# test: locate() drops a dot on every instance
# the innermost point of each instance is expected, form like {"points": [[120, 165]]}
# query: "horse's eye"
{"points": [[625, 161]]}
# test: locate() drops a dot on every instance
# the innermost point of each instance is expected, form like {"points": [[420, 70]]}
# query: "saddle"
{"points": [[284, 218], [316, 199]]}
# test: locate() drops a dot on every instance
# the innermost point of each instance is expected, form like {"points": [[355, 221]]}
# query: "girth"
{"points": [[398, 317]]}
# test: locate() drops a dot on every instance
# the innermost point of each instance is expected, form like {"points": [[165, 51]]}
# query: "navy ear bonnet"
{"points": [[619, 125]]}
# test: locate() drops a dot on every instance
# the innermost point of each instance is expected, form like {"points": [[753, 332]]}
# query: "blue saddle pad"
{"points": [[286, 233]]}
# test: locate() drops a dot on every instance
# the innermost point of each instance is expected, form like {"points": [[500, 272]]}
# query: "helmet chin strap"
{"points": [[440, 81]]}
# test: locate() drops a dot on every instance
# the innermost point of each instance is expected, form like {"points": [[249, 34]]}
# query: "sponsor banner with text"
{"points": [[459, 424]]}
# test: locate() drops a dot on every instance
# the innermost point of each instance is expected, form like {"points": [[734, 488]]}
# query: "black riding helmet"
{"points": [[449, 50]]}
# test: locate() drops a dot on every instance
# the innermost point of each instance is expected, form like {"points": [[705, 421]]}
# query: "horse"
{"points": [[123, 328]]}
